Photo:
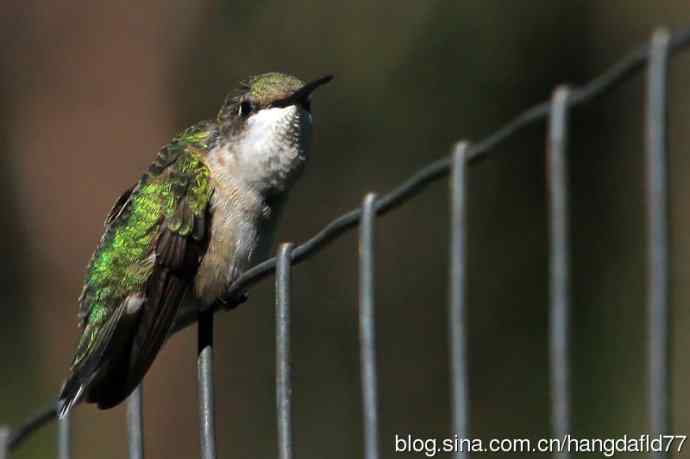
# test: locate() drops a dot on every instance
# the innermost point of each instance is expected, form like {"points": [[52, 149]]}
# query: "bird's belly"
{"points": [[233, 238]]}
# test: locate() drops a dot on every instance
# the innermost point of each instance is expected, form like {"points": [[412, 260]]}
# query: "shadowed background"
{"points": [[89, 93]]}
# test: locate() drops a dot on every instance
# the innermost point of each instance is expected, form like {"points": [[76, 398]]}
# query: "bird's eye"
{"points": [[245, 109]]}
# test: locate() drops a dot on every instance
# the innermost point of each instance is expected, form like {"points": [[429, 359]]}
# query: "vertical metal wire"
{"points": [[559, 271], [657, 215], [367, 343], [64, 445], [135, 423], [4, 442], [205, 377], [458, 329], [283, 377]]}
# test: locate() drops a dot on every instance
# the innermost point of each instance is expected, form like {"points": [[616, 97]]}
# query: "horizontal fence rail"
{"points": [[657, 54]]}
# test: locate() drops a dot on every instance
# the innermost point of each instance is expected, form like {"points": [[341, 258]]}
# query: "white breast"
{"points": [[233, 238], [262, 158]]}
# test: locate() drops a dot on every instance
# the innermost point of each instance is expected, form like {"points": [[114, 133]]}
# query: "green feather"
{"points": [[176, 189]]}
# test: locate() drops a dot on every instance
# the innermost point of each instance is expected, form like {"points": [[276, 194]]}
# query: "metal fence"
{"points": [[655, 58]]}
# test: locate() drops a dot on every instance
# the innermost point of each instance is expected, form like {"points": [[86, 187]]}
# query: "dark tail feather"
{"points": [[87, 368], [72, 392]]}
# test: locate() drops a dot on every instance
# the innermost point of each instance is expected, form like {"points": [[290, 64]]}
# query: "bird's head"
{"points": [[266, 127]]}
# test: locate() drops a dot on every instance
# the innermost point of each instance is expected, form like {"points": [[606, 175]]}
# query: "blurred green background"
{"points": [[89, 92]]}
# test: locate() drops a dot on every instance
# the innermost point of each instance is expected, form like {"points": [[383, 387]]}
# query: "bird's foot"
{"points": [[231, 302]]}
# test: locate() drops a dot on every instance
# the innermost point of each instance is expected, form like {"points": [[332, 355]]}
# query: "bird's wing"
{"points": [[178, 250], [156, 235], [115, 212]]}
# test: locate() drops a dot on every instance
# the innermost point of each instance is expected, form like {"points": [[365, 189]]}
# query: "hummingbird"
{"points": [[186, 231]]}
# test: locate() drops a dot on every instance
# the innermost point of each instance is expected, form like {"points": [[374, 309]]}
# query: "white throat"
{"points": [[270, 149], [267, 127]]}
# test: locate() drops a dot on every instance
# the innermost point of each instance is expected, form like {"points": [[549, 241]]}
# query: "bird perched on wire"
{"points": [[185, 231]]}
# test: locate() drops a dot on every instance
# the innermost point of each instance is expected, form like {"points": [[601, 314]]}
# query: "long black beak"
{"points": [[301, 96]]}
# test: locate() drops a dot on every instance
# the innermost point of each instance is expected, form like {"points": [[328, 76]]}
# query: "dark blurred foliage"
{"points": [[89, 92]]}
